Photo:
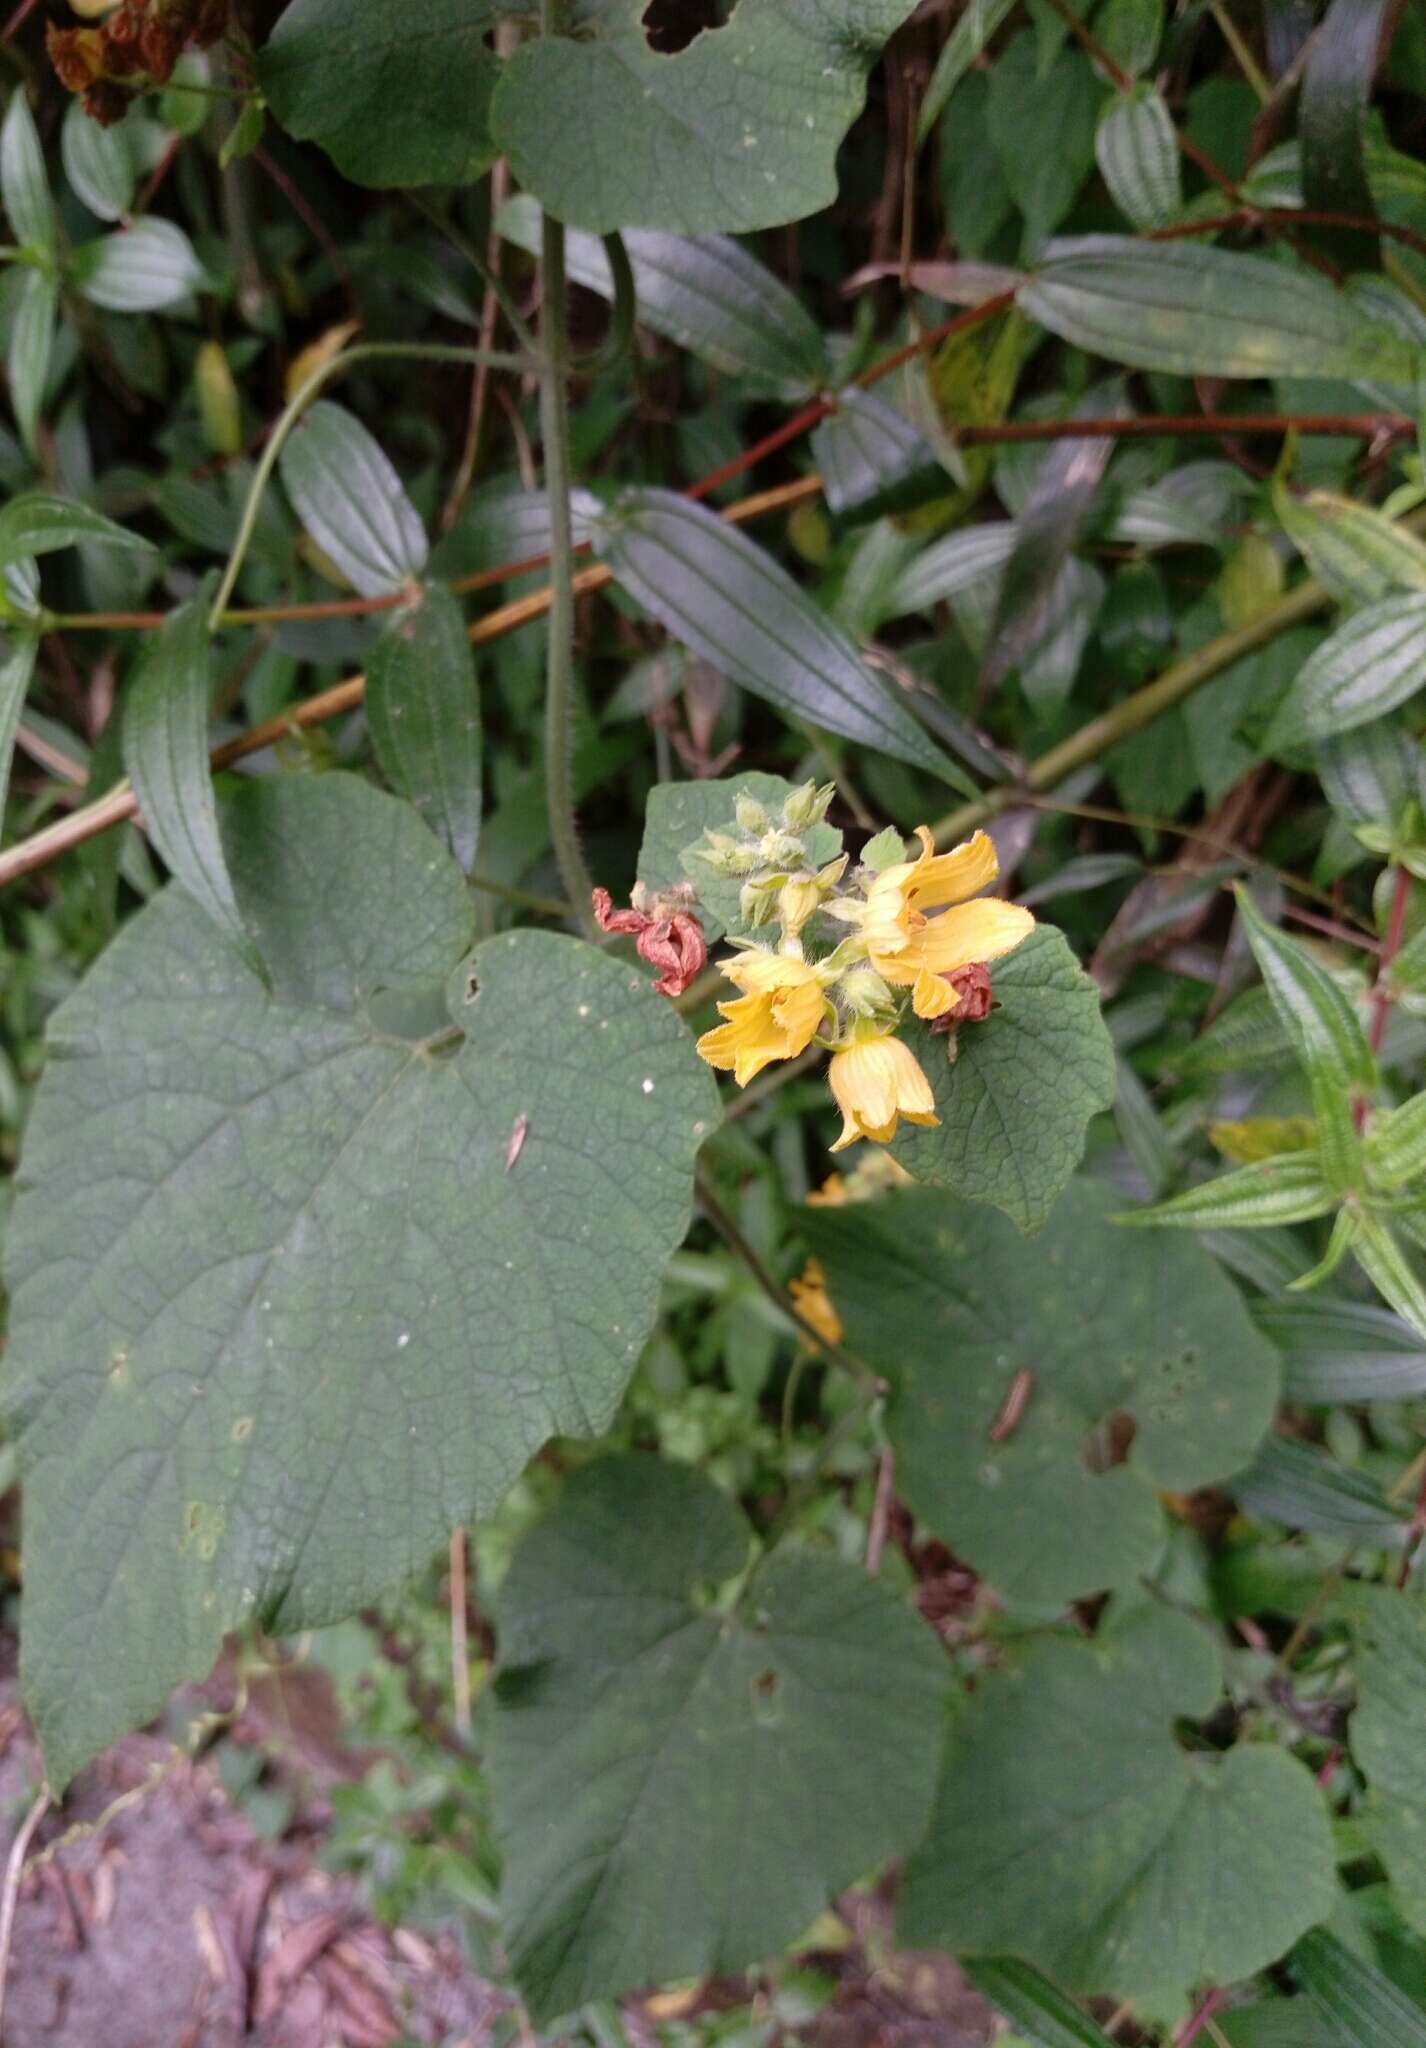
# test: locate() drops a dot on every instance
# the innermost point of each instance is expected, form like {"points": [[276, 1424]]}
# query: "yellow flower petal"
{"points": [[954, 876], [874, 1083], [813, 1303], [777, 1019], [971, 933]]}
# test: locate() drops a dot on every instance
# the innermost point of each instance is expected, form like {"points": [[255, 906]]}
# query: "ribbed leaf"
{"points": [[707, 293], [1288, 1189], [1373, 662], [40, 523], [1137, 154], [872, 458], [1358, 553], [166, 717], [27, 363], [23, 183], [1396, 1145], [1206, 312], [964, 44], [1370, 772], [1343, 1350], [1364, 2008], [423, 705], [100, 163], [726, 599], [1389, 1267], [17, 666], [352, 502], [1038, 2008], [1336, 87], [976, 555], [1301, 1487], [141, 269]]}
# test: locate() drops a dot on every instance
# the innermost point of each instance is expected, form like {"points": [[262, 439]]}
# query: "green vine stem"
{"points": [[559, 670]]}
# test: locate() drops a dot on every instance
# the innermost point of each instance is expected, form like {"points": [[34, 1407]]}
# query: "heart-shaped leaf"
{"points": [[1042, 1398], [661, 1779], [300, 1278], [1067, 1815]]}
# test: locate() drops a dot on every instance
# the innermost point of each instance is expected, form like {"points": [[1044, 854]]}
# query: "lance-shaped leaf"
{"points": [[873, 459], [1396, 1145], [727, 599], [1039, 2008], [27, 361], [738, 131], [1360, 555], [102, 164], [1017, 1099], [1325, 1034], [1068, 1814], [23, 184], [423, 705], [1336, 87], [975, 556], [395, 95], [141, 269], [301, 1276], [1362, 2007], [1369, 774], [41, 523], [1373, 662], [350, 499], [1137, 153], [1343, 1351], [705, 292], [17, 666], [973, 30], [1099, 1348], [1206, 312], [1303, 1488], [1285, 1189], [1389, 1266], [166, 716], [662, 1779], [1389, 1635]]}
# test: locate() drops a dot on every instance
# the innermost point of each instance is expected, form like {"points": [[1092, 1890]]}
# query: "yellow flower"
{"points": [[911, 950], [775, 1018], [813, 1303], [874, 1082]]}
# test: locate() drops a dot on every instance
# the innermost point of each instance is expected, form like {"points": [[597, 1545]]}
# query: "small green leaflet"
{"points": [[727, 599], [423, 706], [27, 363], [1068, 1813], [23, 183], [1374, 661], [950, 1305], [1137, 153], [1286, 1189], [141, 269], [661, 1778], [396, 95], [738, 131], [1017, 1100], [1358, 553], [1206, 312], [283, 1295]]}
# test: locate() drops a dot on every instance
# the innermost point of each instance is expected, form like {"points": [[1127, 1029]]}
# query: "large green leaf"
{"points": [[1207, 312], [396, 95], [727, 599], [1071, 1830], [705, 292], [301, 1278], [740, 130], [682, 1780], [1153, 1344], [1390, 1636], [423, 706], [1016, 1100]]}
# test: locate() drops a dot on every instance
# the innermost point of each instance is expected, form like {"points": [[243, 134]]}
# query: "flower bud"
{"points": [[807, 805], [781, 850], [797, 901], [865, 994], [750, 813]]}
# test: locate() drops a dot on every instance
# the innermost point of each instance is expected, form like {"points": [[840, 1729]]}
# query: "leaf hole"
{"points": [[1109, 1442], [671, 25]]}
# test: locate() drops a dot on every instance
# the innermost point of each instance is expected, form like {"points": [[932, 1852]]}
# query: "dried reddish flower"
{"points": [[77, 55], [671, 940], [974, 997]]}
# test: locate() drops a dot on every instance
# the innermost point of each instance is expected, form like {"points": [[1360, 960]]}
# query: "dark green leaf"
{"points": [[1336, 86], [872, 458], [17, 666], [707, 293], [1016, 1102], [1206, 312], [974, 556], [938, 1297], [423, 705], [1137, 152], [1067, 1816], [288, 1300], [395, 95], [1286, 1189], [1390, 1640], [725, 598], [1303, 1488], [662, 1780], [101, 163], [40, 523], [738, 131], [1374, 661], [352, 502], [1364, 2008], [141, 269], [967, 39], [1359, 554], [27, 364], [1041, 124], [166, 715], [1343, 1350], [1033, 2003]]}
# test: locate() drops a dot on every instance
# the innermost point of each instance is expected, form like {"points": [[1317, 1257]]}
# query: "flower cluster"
{"points": [[135, 48], [845, 946]]}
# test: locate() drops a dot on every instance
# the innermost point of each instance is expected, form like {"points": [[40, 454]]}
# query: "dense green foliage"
{"points": [[378, 1173]]}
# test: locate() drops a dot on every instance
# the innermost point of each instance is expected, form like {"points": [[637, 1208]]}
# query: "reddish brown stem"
{"points": [[1194, 2025], [1395, 932]]}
